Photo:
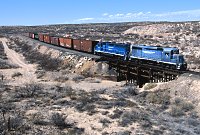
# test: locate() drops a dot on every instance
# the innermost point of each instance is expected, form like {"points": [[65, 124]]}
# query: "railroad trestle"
{"points": [[141, 74]]}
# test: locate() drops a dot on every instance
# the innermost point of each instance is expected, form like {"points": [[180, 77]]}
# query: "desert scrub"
{"points": [[179, 107], [78, 78], [159, 97], [43, 60], [61, 78], [150, 86], [130, 117], [28, 91], [59, 120]]}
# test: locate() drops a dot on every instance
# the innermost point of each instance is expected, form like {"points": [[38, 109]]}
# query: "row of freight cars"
{"points": [[75, 44]]}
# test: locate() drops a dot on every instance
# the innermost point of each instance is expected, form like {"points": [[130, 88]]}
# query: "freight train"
{"points": [[165, 57]]}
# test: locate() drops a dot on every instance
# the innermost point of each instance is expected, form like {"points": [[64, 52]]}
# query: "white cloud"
{"points": [[110, 16], [118, 15], [85, 19], [188, 15], [105, 14]]}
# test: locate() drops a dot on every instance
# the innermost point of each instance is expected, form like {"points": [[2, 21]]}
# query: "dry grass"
{"points": [[150, 86]]}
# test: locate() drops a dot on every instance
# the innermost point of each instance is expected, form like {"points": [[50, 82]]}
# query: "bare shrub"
{"points": [[61, 78], [40, 73], [105, 122], [159, 97], [59, 121], [38, 119], [16, 74], [76, 131], [134, 116], [10, 123], [117, 114], [15, 122], [179, 107], [185, 105], [28, 91], [6, 65], [78, 78]]}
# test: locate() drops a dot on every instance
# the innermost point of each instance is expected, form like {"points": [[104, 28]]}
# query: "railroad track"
{"points": [[98, 58]]}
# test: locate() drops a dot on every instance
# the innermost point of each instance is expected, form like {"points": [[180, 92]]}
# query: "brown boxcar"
{"points": [[47, 39], [41, 37], [88, 45], [77, 44], [61, 41], [55, 41], [84, 45], [30, 34], [66, 42]]}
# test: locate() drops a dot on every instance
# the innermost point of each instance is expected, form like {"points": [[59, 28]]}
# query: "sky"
{"points": [[42, 12]]}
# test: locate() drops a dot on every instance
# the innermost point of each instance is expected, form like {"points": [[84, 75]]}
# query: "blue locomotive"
{"points": [[166, 57], [111, 49]]}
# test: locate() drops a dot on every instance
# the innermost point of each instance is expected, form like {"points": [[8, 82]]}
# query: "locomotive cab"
{"points": [[182, 65], [172, 56], [179, 60], [98, 48]]}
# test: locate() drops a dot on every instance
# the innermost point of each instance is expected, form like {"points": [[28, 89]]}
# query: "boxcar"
{"points": [[41, 37], [84, 45], [66, 42], [47, 39], [77, 44], [88, 45], [33, 35], [55, 41], [30, 35]]}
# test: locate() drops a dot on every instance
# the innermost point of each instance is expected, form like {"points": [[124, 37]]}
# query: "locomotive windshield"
{"points": [[181, 59], [176, 52]]}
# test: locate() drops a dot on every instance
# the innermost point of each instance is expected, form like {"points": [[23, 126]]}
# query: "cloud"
{"points": [[118, 15], [85, 19], [105, 14], [187, 15]]}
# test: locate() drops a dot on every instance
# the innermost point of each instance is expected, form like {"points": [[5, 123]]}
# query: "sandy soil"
{"points": [[27, 70]]}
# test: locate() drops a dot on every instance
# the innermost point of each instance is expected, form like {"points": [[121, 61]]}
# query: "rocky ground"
{"points": [[46, 91]]}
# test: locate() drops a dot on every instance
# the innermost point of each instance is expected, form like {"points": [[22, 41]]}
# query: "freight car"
{"points": [[165, 57], [55, 40], [84, 45], [34, 35], [66, 42]]}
